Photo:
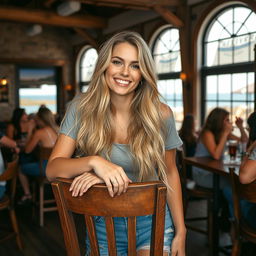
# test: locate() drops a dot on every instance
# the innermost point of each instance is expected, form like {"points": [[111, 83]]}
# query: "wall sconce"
{"points": [[69, 7], [34, 30], [183, 76], [68, 87], [3, 81]]}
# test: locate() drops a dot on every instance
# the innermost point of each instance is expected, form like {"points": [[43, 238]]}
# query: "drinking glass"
{"points": [[232, 149]]}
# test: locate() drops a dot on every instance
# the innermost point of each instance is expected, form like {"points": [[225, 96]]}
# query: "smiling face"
{"points": [[123, 73]]}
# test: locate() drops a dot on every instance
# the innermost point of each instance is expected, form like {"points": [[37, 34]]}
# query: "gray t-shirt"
{"points": [[120, 153]]}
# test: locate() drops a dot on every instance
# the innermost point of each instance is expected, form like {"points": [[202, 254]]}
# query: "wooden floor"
{"points": [[48, 241]]}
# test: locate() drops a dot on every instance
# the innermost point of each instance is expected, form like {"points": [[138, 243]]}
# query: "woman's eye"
{"points": [[116, 62], [135, 66]]}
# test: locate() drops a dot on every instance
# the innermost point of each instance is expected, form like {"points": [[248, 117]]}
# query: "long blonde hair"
{"points": [[146, 128]]}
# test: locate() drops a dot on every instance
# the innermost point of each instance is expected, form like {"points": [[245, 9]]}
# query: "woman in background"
{"points": [[45, 136]]}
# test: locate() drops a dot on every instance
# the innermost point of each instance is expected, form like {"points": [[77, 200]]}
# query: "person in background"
{"points": [[216, 131], [45, 136], [123, 133], [189, 137], [4, 140]]}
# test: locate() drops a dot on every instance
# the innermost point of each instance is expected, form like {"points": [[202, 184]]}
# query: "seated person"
{"points": [[45, 136], [4, 140], [212, 141]]}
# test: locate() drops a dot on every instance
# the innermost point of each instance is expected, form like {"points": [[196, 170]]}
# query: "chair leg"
{"points": [[15, 228], [41, 204], [209, 222], [236, 249]]}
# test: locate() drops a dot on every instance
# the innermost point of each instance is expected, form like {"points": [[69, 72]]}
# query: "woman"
{"points": [[45, 136], [212, 141], [123, 134]]}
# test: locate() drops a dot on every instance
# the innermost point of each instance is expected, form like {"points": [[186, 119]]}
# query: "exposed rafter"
{"points": [[51, 18], [169, 16], [88, 38]]}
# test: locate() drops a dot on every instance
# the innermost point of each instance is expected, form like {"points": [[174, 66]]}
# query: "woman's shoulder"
{"points": [[166, 111]]}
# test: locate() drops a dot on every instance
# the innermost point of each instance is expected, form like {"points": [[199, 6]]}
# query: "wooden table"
{"points": [[217, 167]]}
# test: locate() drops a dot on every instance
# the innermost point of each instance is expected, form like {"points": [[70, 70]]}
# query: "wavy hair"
{"points": [[46, 115], [145, 131], [214, 122], [251, 121]]}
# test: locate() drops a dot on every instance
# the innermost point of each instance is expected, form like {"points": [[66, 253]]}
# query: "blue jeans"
{"points": [[143, 234], [248, 209], [33, 169], [2, 191]]}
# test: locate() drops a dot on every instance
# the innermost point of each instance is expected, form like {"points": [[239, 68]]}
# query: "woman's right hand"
{"points": [[113, 175]]}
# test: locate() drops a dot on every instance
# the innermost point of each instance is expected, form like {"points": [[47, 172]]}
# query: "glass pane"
{"points": [[226, 19], [250, 108], [216, 32], [224, 84], [239, 86], [166, 51], [239, 110], [250, 23], [211, 87], [178, 89], [241, 48], [253, 43], [240, 15], [37, 87], [225, 105], [251, 86], [88, 62], [212, 54], [225, 51]]}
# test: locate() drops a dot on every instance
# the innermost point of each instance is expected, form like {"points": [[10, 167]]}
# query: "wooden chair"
{"points": [[7, 202], [140, 199], [45, 205], [242, 229], [195, 192]]}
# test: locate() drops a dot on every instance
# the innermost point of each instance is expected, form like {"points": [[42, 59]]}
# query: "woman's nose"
{"points": [[125, 70]]}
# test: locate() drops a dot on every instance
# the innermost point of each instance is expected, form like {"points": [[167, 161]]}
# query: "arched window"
{"points": [[166, 53], [86, 67], [227, 72]]}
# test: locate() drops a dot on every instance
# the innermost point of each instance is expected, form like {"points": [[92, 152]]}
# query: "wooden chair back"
{"points": [[248, 193], [10, 174], [140, 199], [44, 154]]}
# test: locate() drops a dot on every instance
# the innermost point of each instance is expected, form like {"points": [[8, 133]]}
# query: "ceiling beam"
{"points": [[169, 16], [51, 18], [133, 3], [88, 38], [48, 3]]}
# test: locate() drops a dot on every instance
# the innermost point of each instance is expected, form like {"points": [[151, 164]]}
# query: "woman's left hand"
{"points": [[83, 182], [178, 245]]}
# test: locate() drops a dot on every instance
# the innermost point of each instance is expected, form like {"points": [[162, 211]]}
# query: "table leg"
{"points": [[215, 226]]}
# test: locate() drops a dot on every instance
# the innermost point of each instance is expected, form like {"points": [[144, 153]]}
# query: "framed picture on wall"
{"points": [[37, 87]]}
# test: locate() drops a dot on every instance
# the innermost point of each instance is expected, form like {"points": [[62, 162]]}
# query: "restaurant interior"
{"points": [[205, 58]]}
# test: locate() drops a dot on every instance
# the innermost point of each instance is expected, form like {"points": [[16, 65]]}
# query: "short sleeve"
{"points": [[172, 138], [253, 155], [70, 123]]}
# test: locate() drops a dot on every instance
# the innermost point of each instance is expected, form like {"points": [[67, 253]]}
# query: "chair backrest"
{"points": [[140, 199], [241, 191], [10, 173]]}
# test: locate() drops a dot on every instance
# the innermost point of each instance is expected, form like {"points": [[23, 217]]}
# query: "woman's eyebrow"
{"points": [[117, 57]]}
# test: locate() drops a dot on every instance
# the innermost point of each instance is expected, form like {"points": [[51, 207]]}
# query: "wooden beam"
{"points": [[51, 18], [48, 3], [169, 16], [88, 38], [35, 62], [134, 3]]}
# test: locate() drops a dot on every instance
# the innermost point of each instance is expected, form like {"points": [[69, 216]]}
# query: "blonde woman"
{"points": [[123, 134], [45, 136]]}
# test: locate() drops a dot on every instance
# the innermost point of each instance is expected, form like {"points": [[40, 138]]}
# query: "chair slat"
{"points": [[92, 235], [132, 236], [111, 236]]}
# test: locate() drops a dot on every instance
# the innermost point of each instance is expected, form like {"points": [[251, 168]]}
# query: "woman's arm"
{"points": [[216, 150], [60, 164], [247, 173], [10, 131], [8, 142], [174, 199], [239, 124], [33, 141]]}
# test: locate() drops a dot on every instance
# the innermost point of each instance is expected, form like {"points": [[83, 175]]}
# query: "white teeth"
{"points": [[122, 81]]}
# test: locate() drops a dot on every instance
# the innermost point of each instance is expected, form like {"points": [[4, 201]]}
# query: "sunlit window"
{"points": [[87, 65], [166, 53], [228, 77], [37, 86]]}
